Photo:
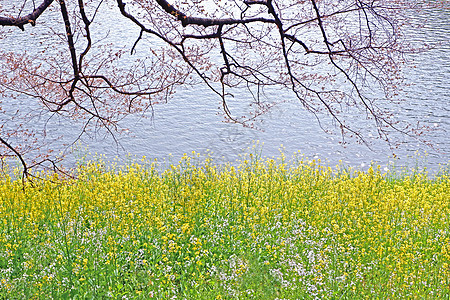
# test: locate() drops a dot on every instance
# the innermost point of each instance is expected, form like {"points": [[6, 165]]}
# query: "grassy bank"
{"points": [[262, 230]]}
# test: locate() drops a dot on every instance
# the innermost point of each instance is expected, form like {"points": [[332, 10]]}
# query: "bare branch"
{"points": [[206, 22], [28, 19], [18, 155]]}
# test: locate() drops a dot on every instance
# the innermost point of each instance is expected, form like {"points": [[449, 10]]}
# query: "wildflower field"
{"points": [[263, 229]]}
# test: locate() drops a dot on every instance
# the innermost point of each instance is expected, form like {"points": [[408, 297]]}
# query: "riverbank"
{"points": [[264, 229]]}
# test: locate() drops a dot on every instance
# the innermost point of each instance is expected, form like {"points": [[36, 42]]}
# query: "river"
{"points": [[191, 120]]}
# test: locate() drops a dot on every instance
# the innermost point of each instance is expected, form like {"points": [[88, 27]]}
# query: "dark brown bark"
{"points": [[28, 19], [206, 22]]}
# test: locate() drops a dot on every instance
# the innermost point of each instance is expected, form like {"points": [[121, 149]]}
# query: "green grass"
{"points": [[266, 229]]}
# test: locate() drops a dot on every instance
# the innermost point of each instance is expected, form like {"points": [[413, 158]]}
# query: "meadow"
{"points": [[261, 229]]}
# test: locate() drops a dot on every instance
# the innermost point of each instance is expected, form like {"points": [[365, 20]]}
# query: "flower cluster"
{"points": [[261, 229]]}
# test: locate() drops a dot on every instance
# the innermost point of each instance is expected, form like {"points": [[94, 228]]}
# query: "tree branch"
{"points": [[18, 155], [28, 19], [206, 22]]}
